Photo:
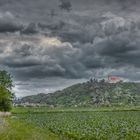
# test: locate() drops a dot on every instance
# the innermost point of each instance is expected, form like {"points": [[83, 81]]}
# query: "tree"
{"points": [[5, 79], [5, 94]]}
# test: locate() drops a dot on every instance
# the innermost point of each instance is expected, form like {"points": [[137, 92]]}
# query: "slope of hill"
{"points": [[90, 93]]}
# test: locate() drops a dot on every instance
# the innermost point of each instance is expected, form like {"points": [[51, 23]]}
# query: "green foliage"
{"points": [[5, 79], [5, 93], [5, 99], [91, 93]]}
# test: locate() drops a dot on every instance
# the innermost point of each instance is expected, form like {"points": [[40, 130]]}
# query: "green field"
{"points": [[70, 124]]}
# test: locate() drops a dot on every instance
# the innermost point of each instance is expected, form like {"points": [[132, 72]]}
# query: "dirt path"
{"points": [[2, 125]]}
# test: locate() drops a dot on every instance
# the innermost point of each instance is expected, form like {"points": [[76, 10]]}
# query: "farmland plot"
{"points": [[121, 125]]}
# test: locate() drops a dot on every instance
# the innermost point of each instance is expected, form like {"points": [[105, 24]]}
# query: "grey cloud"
{"points": [[122, 48], [77, 61], [19, 62], [31, 28], [39, 61], [8, 23], [92, 41]]}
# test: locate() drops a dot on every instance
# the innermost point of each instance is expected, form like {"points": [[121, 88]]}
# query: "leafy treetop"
{"points": [[5, 79]]}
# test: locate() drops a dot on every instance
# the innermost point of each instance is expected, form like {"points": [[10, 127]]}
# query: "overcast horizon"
{"points": [[47, 48]]}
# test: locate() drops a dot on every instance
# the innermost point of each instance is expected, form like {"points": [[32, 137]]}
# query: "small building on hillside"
{"points": [[113, 79]]}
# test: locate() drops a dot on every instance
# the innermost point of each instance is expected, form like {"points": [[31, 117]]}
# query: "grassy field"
{"points": [[72, 124], [14, 129]]}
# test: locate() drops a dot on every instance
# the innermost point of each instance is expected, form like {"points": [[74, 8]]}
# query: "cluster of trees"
{"points": [[109, 94], [6, 95]]}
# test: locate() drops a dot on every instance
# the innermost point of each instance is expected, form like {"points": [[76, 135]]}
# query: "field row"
{"points": [[88, 125]]}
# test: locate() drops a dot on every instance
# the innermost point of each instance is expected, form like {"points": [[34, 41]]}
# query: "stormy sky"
{"points": [[46, 46]]}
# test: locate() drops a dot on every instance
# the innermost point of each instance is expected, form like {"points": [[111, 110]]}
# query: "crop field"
{"points": [[86, 125]]}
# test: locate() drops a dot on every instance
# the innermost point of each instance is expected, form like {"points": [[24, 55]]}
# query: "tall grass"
{"points": [[13, 129]]}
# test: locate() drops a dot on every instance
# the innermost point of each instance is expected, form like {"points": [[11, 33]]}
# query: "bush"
{"points": [[5, 93], [5, 99]]}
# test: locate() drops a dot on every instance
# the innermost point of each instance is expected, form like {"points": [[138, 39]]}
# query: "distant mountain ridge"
{"points": [[90, 93]]}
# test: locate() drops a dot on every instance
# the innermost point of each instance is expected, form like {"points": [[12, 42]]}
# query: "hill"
{"points": [[90, 93]]}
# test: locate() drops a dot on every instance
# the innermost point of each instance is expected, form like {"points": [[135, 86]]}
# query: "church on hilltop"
{"points": [[113, 79]]}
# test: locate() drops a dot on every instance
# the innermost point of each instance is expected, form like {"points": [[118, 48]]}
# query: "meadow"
{"points": [[88, 124]]}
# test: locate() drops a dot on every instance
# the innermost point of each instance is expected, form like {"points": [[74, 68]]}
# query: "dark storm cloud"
{"points": [[30, 29], [122, 48], [78, 58], [8, 23], [95, 38], [51, 62], [17, 63], [9, 27], [80, 34]]}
